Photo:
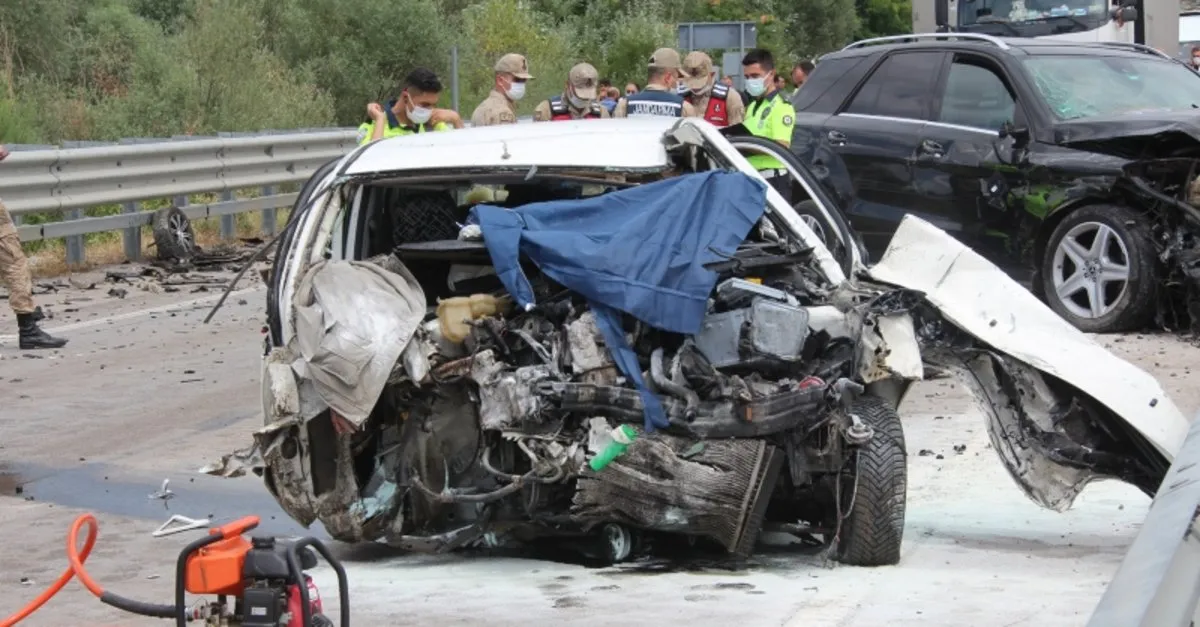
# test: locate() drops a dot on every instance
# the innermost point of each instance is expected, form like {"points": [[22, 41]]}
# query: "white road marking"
{"points": [[130, 315]]}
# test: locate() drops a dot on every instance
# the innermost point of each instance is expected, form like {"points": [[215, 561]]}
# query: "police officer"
{"points": [[509, 86], [413, 111], [713, 101], [578, 100], [660, 97], [768, 115], [14, 273]]}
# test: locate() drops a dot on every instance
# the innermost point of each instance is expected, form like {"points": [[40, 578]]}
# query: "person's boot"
{"points": [[33, 337]]}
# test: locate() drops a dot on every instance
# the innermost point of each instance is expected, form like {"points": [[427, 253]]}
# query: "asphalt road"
{"points": [[146, 392]]}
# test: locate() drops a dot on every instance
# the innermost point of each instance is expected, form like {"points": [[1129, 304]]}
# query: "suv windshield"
{"points": [[1080, 87], [1091, 13]]}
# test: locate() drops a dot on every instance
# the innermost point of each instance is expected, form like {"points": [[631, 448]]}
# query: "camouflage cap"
{"points": [[583, 79], [697, 70], [514, 64], [665, 59]]}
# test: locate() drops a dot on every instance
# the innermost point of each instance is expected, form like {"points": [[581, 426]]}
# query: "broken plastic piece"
{"points": [[183, 524], [622, 437], [455, 314]]}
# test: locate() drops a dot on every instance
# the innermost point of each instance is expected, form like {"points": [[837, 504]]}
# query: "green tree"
{"points": [[494, 28], [359, 50], [880, 18]]}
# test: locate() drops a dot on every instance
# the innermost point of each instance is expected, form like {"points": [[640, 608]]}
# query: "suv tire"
{"points": [[873, 531], [1099, 270]]}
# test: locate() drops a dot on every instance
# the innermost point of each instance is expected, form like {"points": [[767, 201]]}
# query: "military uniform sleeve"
{"points": [[735, 107], [784, 118], [619, 110], [604, 113], [689, 111], [541, 113], [364, 132], [477, 116]]}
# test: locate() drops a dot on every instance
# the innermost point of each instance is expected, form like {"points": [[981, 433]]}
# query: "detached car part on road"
{"points": [[1076, 161], [460, 321]]}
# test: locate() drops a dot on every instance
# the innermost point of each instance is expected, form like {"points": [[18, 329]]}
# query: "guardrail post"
{"points": [[228, 227], [132, 235], [268, 215], [75, 251]]}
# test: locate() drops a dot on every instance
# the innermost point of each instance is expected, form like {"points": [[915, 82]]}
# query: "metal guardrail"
{"points": [[72, 179], [1158, 583]]}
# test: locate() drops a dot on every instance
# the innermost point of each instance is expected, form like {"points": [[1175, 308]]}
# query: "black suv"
{"points": [[1071, 165]]}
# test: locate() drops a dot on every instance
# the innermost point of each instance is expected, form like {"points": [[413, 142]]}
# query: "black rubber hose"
{"points": [[152, 610]]}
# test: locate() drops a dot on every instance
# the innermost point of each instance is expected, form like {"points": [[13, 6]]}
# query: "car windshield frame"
{"points": [[1072, 13], [1078, 86]]}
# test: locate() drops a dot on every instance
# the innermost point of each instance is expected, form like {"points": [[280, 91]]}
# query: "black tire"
{"points": [[1132, 304], [872, 533], [811, 214], [174, 239]]}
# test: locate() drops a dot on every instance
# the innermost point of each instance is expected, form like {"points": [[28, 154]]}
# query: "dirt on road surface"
{"points": [[146, 392]]}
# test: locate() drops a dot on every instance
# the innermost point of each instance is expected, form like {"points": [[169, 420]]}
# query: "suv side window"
{"points": [[902, 87], [976, 96], [830, 83]]}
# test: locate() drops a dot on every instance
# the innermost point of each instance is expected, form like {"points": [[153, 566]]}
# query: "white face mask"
{"points": [[516, 91], [577, 102], [419, 115], [756, 86]]}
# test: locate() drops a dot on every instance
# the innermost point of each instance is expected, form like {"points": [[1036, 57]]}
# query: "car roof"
{"points": [[1007, 45], [611, 144]]}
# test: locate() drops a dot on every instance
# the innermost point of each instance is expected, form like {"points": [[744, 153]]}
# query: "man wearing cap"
{"points": [[660, 97], [500, 106], [578, 100], [713, 101]]}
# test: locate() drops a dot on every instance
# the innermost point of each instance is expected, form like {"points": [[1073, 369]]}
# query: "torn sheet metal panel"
{"points": [[978, 297], [1016, 427], [889, 349], [353, 321]]}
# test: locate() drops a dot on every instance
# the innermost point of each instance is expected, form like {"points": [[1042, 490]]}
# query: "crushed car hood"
{"points": [[979, 298], [1132, 135]]}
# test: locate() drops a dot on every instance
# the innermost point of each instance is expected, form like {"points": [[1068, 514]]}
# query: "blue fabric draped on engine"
{"points": [[640, 251]]}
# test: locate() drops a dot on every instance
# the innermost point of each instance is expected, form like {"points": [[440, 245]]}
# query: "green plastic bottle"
{"points": [[622, 437]]}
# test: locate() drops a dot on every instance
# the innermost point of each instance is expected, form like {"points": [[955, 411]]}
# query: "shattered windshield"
{"points": [[1081, 87], [1075, 15]]}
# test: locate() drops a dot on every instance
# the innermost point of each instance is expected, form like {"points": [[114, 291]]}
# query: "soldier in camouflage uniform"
{"points": [[512, 71], [14, 273]]}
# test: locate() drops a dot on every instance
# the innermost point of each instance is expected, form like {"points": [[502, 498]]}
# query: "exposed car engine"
{"points": [[493, 421]]}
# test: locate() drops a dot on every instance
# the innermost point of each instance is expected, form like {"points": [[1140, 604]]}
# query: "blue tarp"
{"points": [[640, 251]]}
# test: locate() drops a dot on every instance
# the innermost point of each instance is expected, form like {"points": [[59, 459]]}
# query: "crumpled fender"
{"points": [[980, 299]]}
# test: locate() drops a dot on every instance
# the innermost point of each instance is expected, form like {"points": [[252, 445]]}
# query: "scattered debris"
{"points": [[164, 494], [118, 292], [181, 524]]}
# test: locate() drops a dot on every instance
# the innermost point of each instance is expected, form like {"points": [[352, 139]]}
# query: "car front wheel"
{"points": [[1099, 270]]}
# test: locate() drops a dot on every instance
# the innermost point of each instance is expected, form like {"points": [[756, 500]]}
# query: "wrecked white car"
{"points": [[614, 329]]}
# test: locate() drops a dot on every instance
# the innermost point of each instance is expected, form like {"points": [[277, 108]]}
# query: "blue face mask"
{"points": [[756, 86]]}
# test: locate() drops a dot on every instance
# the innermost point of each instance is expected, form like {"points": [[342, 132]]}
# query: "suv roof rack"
{"points": [[1138, 47], [895, 39]]}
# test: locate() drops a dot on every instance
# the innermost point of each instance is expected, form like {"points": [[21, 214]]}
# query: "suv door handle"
{"points": [[837, 138], [932, 148]]}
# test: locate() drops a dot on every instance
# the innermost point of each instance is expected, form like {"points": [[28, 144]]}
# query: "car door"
{"points": [[961, 169], [876, 134]]}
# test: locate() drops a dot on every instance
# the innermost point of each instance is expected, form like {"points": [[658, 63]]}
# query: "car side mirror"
{"points": [[1020, 134], [941, 13]]}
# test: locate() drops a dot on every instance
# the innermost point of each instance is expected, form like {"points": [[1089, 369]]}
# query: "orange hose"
{"points": [[76, 557]]}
